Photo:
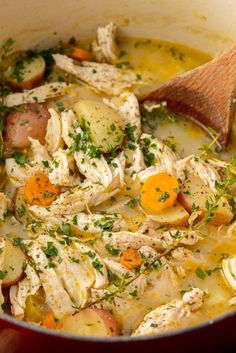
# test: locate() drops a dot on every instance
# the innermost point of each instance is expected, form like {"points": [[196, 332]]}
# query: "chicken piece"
{"points": [[17, 172], [68, 120], [95, 170], [148, 256], [39, 152], [96, 223], [128, 107], [146, 173], [104, 77], [4, 204], [53, 136], [168, 237], [78, 199], [70, 268], [2, 246], [60, 172], [96, 265], [118, 269], [135, 161], [163, 155], [181, 254], [125, 240], [56, 296], [39, 94], [104, 46], [20, 292], [169, 316], [195, 165]]}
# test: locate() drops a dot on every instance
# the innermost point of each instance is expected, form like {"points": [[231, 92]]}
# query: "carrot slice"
{"points": [[39, 191], [49, 321], [131, 259], [79, 54], [158, 192]]}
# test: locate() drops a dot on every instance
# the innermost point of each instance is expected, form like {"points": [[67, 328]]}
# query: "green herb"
{"points": [[141, 42], [50, 251], [48, 194], [112, 250], [2, 275], [21, 211], [123, 64], [165, 195], [97, 265], [24, 122], [132, 203], [122, 53], [19, 157], [75, 221], [200, 273], [46, 164], [129, 131], [17, 241], [90, 254]]}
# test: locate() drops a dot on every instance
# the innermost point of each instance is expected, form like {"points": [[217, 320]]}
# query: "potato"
{"points": [[30, 121], [26, 73], [173, 216], [104, 123], [196, 192], [13, 264], [91, 322]]}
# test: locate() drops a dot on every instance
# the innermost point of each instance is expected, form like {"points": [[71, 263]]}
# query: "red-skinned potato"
{"points": [[29, 76], [30, 120], [196, 192], [92, 322], [13, 264]]}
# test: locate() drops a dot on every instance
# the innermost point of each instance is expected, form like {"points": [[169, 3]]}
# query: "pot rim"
{"points": [[116, 339]]}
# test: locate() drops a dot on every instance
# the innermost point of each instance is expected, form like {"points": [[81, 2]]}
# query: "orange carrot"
{"points": [[79, 54], [49, 321], [158, 192], [131, 259], [39, 191]]}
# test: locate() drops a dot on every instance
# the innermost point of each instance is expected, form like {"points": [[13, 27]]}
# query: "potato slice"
{"points": [[91, 322], [104, 123], [27, 73], [21, 207], [30, 122], [196, 192], [173, 216], [13, 264]]}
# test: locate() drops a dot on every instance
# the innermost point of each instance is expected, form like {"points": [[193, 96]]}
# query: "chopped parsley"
{"points": [[200, 273], [50, 251], [165, 195], [19, 157]]}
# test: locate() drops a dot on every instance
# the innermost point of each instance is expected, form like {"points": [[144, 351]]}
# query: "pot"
{"points": [[207, 25]]}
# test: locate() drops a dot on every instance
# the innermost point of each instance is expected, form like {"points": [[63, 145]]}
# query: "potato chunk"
{"points": [[31, 121], [13, 264], [195, 193], [91, 322], [27, 73], [104, 123]]}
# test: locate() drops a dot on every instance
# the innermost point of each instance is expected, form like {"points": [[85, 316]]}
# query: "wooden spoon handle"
{"points": [[207, 93]]}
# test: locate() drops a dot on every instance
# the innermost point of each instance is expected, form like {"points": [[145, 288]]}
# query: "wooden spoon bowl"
{"points": [[207, 94]]}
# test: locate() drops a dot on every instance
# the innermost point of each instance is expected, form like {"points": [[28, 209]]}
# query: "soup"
{"points": [[117, 217]]}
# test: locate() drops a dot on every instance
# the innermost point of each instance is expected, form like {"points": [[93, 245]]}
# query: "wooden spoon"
{"points": [[207, 93]]}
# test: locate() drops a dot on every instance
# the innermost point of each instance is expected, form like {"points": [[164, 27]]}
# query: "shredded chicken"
{"points": [[53, 136], [104, 46], [39, 94], [128, 107], [20, 292], [104, 77], [169, 316], [163, 155]]}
